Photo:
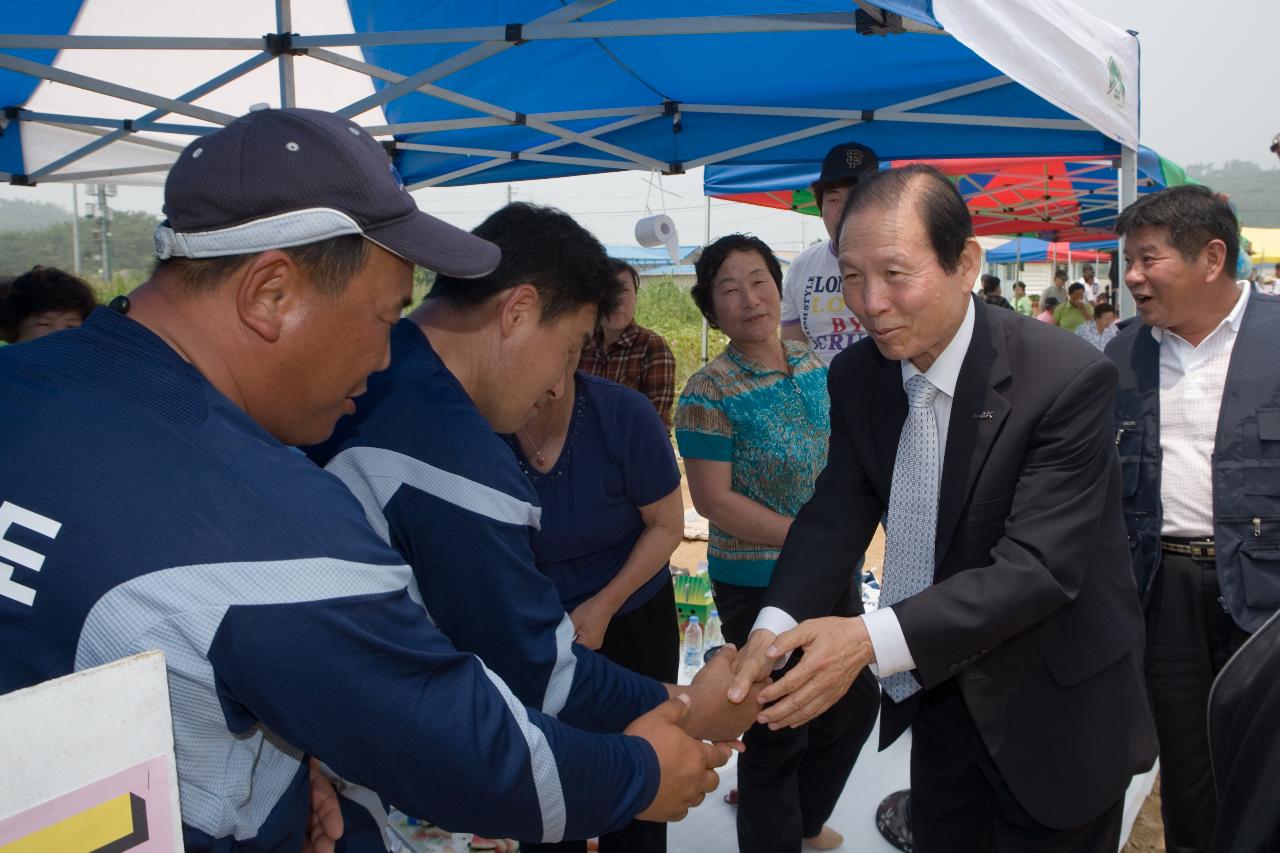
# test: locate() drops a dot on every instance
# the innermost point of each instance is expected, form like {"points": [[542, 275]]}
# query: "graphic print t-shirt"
{"points": [[813, 299]]}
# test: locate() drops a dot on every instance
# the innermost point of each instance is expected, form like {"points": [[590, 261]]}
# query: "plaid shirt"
{"points": [[638, 359]]}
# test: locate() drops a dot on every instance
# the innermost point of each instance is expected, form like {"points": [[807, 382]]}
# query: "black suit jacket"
{"points": [[1033, 608]]}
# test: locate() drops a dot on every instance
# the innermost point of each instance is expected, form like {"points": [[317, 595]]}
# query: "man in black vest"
{"points": [[1197, 426]]}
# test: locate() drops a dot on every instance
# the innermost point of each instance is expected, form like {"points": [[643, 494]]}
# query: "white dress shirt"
{"points": [[1191, 382], [887, 640]]}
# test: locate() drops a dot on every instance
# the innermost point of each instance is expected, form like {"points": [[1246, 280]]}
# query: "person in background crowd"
{"points": [[42, 301], [1057, 290], [1021, 302], [601, 463], [1009, 632], [1077, 309], [1102, 328], [1196, 429], [752, 428], [1049, 304], [991, 292], [628, 353], [813, 309], [290, 628], [1092, 286]]}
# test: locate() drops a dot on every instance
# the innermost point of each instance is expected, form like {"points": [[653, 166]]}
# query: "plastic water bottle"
{"points": [[693, 645], [714, 635]]}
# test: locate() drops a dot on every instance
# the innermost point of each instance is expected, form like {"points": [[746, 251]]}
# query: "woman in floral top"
{"points": [[752, 426]]}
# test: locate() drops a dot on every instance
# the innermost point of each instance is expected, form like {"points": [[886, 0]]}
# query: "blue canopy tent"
{"points": [[468, 93], [468, 96], [1031, 250]]}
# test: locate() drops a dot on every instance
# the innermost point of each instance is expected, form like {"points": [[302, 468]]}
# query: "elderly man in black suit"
{"points": [[1009, 635], [1197, 426]]}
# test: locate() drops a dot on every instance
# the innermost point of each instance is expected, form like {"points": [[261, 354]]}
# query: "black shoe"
{"points": [[893, 819]]}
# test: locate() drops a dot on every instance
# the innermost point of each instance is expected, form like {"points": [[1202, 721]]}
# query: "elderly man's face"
{"points": [[893, 282]]}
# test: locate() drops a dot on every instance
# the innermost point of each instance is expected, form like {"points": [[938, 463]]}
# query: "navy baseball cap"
{"points": [[847, 162], [272, 179]]}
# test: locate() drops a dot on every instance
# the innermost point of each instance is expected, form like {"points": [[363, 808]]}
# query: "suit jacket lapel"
{"points": [[978, 411]]}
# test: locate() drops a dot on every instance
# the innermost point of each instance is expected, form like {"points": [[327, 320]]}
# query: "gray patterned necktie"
{"points": [[913, 514]]}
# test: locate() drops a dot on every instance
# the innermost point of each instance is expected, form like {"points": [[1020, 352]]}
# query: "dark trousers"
{"points": [[647, 641], [1190, 636], [789, 780], [961, 804]]}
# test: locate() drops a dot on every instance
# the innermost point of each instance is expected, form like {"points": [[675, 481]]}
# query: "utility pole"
{"points": [[75, 228], [508, 193], [101, 214]]}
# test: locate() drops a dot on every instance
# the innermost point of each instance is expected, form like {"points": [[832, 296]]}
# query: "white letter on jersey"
{"points": [[11, 514]]}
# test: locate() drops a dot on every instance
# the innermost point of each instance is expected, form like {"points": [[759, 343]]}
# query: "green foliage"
{"points": [[668, 309], [132, 249], [1254, 191], [22, 215]]}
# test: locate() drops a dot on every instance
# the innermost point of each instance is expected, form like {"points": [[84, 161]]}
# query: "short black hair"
{"points": [[1018, 284], [1192, 215], [1060, 274], [618, 267], [38, 291], [990, 283], [543, 247], [1103, 308], [1074, 287], [1050, 302], [940, 205], [713, 257], [330, 263]]}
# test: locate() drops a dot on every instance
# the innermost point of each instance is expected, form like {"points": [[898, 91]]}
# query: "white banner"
{"points": [[1064, 54]]}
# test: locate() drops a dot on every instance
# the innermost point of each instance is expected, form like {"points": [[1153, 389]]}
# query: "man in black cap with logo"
{"points": [[189, 525], [813, 309]]}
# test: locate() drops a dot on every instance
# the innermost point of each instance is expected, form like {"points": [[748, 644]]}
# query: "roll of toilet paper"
{"points": [[659, 231]]}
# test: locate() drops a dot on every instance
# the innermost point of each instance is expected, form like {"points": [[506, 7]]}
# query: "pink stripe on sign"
{"points": [[148, 780]]}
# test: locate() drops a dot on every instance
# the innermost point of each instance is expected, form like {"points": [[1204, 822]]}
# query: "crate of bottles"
{"points": [[693, 598]]}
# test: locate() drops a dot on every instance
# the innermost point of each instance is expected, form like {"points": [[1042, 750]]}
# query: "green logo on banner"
{"points": [[1115, 82]]}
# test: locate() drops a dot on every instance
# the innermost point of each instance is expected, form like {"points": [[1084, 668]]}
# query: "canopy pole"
{"points": [[1128, 195], [706, 329], [284, 24]]}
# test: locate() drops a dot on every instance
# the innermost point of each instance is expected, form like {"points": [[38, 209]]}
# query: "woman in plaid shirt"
{"points": [[630, 354]]}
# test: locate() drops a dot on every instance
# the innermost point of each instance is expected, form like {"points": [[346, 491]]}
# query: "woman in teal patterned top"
{"points": [[752, 426]]}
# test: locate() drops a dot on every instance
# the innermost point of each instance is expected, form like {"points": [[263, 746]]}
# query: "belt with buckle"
{"points": [[1196, 549]]}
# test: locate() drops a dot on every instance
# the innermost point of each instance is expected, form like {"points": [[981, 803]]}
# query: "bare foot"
{"points": [[827, 839]]}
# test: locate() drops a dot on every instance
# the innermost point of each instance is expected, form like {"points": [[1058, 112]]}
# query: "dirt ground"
{"points": [[1147, 835]]}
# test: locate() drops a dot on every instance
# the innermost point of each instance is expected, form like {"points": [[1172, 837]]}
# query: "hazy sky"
{"points": [[1210, 93]]}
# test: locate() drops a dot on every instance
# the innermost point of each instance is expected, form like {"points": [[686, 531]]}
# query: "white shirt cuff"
{"points": [[779, 622], [888, 643]]}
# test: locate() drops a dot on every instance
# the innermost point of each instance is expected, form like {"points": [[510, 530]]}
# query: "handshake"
{"points": [[693, 733], [727, 696]]}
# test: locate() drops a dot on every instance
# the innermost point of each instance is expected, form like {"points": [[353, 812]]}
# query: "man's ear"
{"points": [[520, 308], [970, 260], [268, 288], [1215, 260]]}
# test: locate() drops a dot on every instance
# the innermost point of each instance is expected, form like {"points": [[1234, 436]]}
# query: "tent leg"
{"points": [[705, 327], [284, 24], [1128, 195]]}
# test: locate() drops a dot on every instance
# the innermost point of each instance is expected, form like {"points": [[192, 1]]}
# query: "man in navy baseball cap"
{"points": [[290, 628]]}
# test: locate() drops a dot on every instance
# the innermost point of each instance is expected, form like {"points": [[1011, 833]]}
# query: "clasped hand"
{"points": [[835, 650]]}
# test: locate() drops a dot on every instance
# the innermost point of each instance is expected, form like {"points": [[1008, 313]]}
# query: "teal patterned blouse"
{"points": [[772, 428]]}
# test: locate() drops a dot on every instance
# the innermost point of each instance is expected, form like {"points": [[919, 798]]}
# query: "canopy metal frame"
{"points": [[288, 48]]}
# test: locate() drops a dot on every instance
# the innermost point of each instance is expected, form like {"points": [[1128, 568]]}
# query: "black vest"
{"points": [[1246, 461]]}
